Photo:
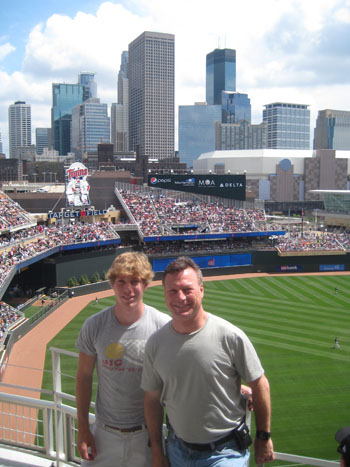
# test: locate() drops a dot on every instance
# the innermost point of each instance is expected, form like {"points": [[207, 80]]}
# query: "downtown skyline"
{"points": [[285, 53]]}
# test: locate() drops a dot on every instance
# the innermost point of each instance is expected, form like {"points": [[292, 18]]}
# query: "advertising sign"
{"points": [[72, 214], [292, 268], [332, 267], [77, 187], [223, 186]]}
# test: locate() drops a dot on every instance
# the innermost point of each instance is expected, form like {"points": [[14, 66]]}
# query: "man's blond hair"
{"points": [[131, 264]]}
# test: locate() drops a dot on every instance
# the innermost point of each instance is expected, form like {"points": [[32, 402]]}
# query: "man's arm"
{"points": [[86, 442], [262, 410], [154, 415]]}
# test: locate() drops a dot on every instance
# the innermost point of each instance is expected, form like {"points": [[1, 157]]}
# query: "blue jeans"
{"points": [[224, 455]]}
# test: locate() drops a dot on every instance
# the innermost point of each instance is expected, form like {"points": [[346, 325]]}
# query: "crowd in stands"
{"points": [[229, 244], [8, 316], [314, 241], [159, 215], [46, 238], [11, 214]]}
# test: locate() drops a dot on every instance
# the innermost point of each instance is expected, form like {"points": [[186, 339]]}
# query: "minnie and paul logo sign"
{"points": [[77, 187]]}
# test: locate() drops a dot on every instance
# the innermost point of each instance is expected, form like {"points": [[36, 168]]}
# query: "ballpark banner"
{"points": [[77, 187], [332, 267], [291, 268], [223, 186], [207, 262]]}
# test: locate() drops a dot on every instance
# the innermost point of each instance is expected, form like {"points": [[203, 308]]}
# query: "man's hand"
{"points": [[86, 445], [263, 451], [247, 393]]}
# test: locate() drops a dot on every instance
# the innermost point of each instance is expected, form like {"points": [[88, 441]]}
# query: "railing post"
{"points": [[57, 390]]}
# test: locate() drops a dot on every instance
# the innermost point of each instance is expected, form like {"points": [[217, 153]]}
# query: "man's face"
{"points": [[128, 291], [183, 295]]}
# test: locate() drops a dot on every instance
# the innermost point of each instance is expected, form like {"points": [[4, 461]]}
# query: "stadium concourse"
{"points": [[206, 227]]}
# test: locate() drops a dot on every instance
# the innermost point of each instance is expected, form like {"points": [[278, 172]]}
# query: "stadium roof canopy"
{"points": [[335, 200]]}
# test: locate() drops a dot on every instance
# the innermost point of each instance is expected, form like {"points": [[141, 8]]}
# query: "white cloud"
{"points": [[6, 49], [294, 51]]}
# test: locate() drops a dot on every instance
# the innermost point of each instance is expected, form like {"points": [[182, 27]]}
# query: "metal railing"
{"points": [[48, 428]]}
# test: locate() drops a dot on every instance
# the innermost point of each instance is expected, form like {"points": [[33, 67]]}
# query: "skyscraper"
{"points": [[197, 130], [288, 125], [241, 135], [220, 74], [64, 98], [90, 127], [235, 107], [42, 139], [20, 126], [120, 111], [0, 144], [151, 94], [332, 130], [86, 78]]}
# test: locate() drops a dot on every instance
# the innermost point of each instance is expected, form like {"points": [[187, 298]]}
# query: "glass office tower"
{"points": [[86, 78], [64, 98], [42, 139], [235, 107], [197, 130], [90, 126], [288, 125], [220, 74]]}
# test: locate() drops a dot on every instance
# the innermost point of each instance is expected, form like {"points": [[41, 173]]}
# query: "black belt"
{"points": [[210, 446], [131, 429]]}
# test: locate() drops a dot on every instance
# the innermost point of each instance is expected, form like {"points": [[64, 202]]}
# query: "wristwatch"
{"points": [[264, 435]]}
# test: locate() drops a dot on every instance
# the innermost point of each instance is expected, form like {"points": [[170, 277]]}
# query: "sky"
{"points": [[295, 51]]}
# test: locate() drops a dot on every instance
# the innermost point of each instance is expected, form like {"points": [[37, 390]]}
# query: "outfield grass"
{"points": [[292, 321]]}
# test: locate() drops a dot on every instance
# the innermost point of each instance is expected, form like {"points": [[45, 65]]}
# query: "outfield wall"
{"points": [[253, 261], [259, 261]]}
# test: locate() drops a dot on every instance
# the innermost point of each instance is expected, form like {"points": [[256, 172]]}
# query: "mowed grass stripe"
{"points": [[289, 326], [310, 351], [326, 295], [294, 311]]}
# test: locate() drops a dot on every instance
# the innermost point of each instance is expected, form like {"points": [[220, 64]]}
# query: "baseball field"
{"points": [[292, 322]]}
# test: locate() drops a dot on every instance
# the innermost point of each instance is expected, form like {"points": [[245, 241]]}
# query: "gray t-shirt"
{"points": [[199, 375], [119, 352]]}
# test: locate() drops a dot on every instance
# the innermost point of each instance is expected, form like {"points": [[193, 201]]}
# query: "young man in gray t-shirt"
{"points": [[113, 342]]}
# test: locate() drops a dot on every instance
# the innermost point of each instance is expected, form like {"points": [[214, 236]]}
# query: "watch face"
{"points": [[265, 435]]}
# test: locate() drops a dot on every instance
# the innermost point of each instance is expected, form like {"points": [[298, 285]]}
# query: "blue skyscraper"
{"points": [[86, 78], [220, 74], [235, 107], [90, 126], [197, 130], [42, 139], [64, 98]]}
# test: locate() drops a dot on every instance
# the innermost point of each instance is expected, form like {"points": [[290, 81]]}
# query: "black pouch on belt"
{"points": [[242, 436]]}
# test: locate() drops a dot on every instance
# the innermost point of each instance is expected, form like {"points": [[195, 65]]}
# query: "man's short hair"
{"points": [[342, 436], [180, 264], [131, 264]]}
